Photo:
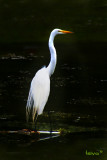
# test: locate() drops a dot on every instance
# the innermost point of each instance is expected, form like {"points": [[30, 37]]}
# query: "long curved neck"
{"points": [[52, 64]]}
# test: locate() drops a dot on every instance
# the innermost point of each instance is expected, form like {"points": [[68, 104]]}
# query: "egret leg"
{"points": [[35, 121], [50, 121]]}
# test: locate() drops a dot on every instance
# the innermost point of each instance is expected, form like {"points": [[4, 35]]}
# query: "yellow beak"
{"points": [[63, 31]]}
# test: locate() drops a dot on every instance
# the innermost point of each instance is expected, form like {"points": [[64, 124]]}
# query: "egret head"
{"points": [[56, 32], [60, 31]]}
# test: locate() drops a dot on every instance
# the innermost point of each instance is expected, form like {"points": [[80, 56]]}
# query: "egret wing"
{"points": [[38, 94]]}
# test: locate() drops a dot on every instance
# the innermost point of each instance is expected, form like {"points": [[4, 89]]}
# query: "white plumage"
{"points": [[40, 85]]}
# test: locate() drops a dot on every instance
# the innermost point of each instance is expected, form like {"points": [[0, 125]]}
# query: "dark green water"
{"points": [[77, 101], [78, 85], [74, 146], [32, 21]]}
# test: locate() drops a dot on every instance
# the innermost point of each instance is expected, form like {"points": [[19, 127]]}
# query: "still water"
{"points": [[77, 103]]}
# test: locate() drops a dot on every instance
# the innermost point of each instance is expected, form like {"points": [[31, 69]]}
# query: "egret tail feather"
{"points": [[29, 106]]}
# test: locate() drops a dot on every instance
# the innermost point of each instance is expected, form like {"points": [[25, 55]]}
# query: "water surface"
{"points": [[77, 103]]}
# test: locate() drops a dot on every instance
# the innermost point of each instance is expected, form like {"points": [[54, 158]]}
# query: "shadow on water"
{"points": [[78, 106]]}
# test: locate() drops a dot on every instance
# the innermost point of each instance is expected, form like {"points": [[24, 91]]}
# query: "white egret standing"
{"points": [[40, 85]]}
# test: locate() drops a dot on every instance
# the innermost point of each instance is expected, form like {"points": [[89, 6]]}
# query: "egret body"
{"points": [[40, 84]]}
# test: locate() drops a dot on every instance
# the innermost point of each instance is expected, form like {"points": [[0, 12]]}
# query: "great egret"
{"points": [[40, 85]]}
